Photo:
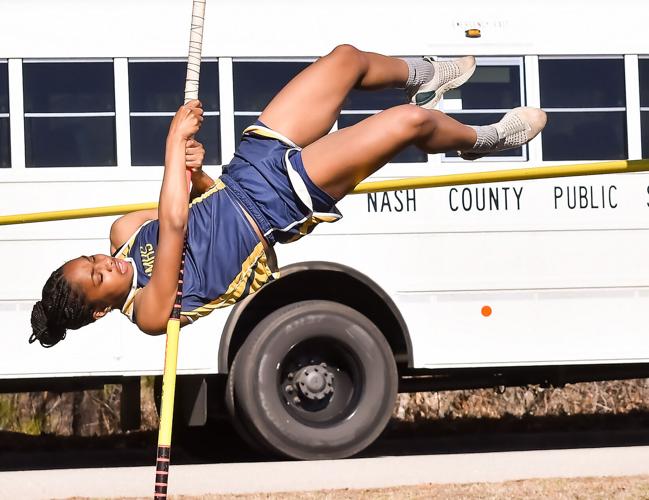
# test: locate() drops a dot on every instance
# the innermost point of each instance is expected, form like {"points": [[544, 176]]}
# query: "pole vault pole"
{"points": [[519, 174], [173, 325]]}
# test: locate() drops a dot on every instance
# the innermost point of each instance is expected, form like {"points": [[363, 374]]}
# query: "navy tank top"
{"points": [[224, 262]]}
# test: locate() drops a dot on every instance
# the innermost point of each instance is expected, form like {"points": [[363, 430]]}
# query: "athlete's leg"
{"points": [[306, 109], [339, 161]]}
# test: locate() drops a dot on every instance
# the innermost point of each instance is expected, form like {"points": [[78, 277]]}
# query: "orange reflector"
{"points": [[486, 311], [473, 33]]}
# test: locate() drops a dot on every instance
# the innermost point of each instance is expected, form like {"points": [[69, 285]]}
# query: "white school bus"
{"points": [[511, 283]]}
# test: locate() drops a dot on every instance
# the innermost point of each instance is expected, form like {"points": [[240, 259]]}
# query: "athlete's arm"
{"points": [[194, 157], [124, 227], [154, 303]]}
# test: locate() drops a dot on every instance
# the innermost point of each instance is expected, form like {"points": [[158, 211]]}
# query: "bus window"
{"points": [[585, 100], [495, 88], [5, 151], [155, 92], [255, 83], [71, 103], [644, 104]]}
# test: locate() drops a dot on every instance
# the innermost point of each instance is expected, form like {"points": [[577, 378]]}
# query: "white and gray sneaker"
{"points": [[447, 75], [519, 126]]}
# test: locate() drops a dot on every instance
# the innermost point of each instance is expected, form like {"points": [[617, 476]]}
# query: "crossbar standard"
{"points": [[520, 174]]}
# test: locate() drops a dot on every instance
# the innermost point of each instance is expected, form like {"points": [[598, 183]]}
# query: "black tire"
{"points": [[239, 422], [315, 380]]}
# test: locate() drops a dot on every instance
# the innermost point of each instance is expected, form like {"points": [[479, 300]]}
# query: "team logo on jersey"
{"points": [[147, 253]]}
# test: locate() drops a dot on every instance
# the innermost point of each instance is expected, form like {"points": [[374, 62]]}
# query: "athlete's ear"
{"points": [[100, 313]]}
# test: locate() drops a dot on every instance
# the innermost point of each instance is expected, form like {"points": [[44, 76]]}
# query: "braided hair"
{"points": [[62, 307]]}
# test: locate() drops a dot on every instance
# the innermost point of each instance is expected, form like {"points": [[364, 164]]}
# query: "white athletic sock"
{"points": [[487, 137], [420, 71]]}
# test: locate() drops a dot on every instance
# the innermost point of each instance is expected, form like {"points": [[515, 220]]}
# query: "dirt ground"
{"points": [[600, 488]]}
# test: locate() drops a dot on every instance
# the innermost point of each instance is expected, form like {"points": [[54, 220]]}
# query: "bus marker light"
{"points": [[486, 311]]}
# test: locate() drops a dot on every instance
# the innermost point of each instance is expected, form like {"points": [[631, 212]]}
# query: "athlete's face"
{"points": [[103, 280]]}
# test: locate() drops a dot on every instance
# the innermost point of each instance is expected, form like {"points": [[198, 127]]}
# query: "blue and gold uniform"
{"points": [[269, 177], [225, 261]]}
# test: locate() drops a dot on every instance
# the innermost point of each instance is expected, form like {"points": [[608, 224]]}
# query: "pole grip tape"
{"points": [[162, 471]]}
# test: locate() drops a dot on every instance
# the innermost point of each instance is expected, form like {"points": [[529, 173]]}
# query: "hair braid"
{"points": [[61, 308]]}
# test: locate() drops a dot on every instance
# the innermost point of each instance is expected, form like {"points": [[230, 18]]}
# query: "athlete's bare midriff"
{"points": [[270, 253]]}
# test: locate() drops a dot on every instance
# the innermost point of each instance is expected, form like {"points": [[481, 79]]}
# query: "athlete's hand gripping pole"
{"points": [[173, 325]]}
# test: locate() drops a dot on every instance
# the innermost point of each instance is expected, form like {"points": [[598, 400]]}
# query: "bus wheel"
{"points": [[243, 427], [315, 380]]}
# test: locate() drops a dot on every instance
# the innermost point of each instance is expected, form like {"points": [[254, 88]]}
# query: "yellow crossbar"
{"points": [[77, 213], [520, 174]]}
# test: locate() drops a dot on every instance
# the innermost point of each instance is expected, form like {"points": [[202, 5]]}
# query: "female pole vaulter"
{"points": [[286, 177]]}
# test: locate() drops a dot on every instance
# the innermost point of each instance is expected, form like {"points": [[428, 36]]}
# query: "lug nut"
{"points": [[296, 400], [291, 375], [289, 389]]}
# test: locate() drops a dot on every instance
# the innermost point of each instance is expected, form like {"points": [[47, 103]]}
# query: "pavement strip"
{"points": [[358, 473]]}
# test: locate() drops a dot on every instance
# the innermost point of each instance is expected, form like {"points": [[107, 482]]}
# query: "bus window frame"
{"points": [[84, 114], [491, 61], [594, 109], [144, 114]]}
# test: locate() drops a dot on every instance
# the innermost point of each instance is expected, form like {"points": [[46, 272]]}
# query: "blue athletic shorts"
{"points": [[268, 178]]}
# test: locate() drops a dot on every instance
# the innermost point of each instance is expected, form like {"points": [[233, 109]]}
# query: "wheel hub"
{"points": [[314, 382]]}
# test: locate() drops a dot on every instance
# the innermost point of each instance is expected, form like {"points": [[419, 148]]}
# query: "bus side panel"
{"points": [[542, 327], [556, 296]]}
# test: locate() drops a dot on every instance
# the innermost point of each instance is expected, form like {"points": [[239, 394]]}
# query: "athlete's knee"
{"points": [[413, 121], [350, 56], [346, 50]]}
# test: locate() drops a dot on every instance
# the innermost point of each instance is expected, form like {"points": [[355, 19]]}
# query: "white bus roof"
{"points": [[159, 28]]}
